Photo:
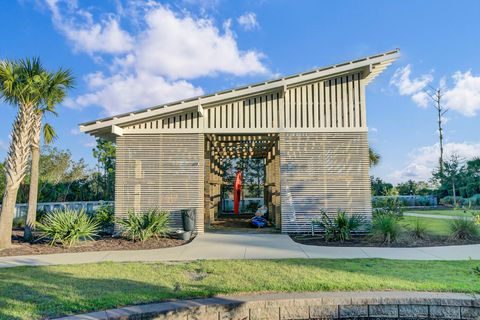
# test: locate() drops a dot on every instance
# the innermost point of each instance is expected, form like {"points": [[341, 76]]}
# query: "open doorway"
{"points": [[256, 159]]}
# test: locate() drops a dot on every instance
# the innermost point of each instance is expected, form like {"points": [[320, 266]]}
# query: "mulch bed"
{"points": [[366, 241], [104, 243]]}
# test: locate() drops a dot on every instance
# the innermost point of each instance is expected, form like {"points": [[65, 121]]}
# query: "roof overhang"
{"points": [[371, 67]]}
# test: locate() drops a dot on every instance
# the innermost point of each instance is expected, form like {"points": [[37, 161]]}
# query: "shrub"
{"points": [[145, 225], [419, 229], [19, 222], [463, 229], [476, 218], [68, 226], [105, 217], [474, 200], [448, 200], [392, 206], [385, 228], [339, 228]]}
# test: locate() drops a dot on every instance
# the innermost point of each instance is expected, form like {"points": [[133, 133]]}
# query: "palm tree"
{"points": [[23, 83], [55, 88], [18, 87], [374, 157]]}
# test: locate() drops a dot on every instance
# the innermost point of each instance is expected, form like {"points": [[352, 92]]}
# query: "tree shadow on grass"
{"points": [[43, 293]]}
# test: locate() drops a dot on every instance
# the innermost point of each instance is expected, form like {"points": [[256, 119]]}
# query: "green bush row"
{"points": [[472, 201]]}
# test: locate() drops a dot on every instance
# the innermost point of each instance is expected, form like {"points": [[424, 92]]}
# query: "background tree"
{"points": [[105, 153], [54, 92], [20, 85], [380, 187], [373, 156], [450, 175]]}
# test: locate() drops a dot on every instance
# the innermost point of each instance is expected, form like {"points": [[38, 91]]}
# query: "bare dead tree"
{"points": [[436, 95]]}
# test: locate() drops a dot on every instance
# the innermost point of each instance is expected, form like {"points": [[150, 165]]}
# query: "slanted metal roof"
{"points": [[375, 64]]}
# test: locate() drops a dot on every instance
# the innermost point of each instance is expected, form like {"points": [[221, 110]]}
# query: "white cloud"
{"points": [[248, 21], [78, 27], [121, 93], [411, 87], [75, 131], [464, 97], [422, 161], [151, 65], [184, 47], [90, 144], [372, 129], [421, 98]]}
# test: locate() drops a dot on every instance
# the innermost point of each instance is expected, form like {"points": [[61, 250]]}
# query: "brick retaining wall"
{"points": [[342, 305]]}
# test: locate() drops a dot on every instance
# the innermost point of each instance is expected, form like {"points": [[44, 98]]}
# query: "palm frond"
{"points": [[49, 134]]}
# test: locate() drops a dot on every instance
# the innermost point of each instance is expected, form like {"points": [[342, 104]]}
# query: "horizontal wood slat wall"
{"points": [[163, 171], [322, 171], [329, 105]]}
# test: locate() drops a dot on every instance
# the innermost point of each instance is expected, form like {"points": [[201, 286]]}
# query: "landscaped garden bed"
{"points": [[102, 243], [68, 231], [367, 241], [391, 228]]}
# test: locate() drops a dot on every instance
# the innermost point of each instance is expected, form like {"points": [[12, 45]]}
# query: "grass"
{"points": [[434, 226], [449, 212], [38, 292]]}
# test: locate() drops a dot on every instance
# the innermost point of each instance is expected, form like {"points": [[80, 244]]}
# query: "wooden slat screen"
{"points": [[328, 105], [163, 171], [322, 171]]}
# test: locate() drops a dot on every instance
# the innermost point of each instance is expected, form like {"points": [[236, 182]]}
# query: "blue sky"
{"points": [[132, 54]]}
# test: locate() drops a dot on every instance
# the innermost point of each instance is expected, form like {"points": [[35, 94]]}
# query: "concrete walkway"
{"points": [[212, 246], [434, 216]]}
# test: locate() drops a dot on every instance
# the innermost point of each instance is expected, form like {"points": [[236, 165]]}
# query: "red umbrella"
{"points": [[237, 191]]}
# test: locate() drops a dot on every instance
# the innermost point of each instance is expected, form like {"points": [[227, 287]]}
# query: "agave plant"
{"points": [[145, 225], [68, 227], [340, 227]]}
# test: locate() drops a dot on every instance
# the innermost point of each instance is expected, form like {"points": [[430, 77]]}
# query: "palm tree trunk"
{"points": [[34, 171], [16, 164]]}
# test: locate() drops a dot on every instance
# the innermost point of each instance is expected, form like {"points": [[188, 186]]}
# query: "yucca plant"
{"points": [[419, 229], [67, 227], [340, 227], [145, 225], [463, 229], [385, 227]]}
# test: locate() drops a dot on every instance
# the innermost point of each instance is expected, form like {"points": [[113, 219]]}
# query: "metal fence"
{"points": [[88, 206]]}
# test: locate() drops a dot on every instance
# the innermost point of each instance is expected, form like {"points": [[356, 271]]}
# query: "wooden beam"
{"points": [[117, 131]]}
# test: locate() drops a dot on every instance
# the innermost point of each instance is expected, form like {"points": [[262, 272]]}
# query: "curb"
{"points": [[323, 305]]}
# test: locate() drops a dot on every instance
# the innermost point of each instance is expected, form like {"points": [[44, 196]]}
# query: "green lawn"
{"points": [[36, 292], [456, 213], [434, 226]]}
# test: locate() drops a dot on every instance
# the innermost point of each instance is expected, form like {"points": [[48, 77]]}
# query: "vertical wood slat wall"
{"points": [[327, 104], [272, 185], [163, 171], [323, 171], [213, 184]]}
